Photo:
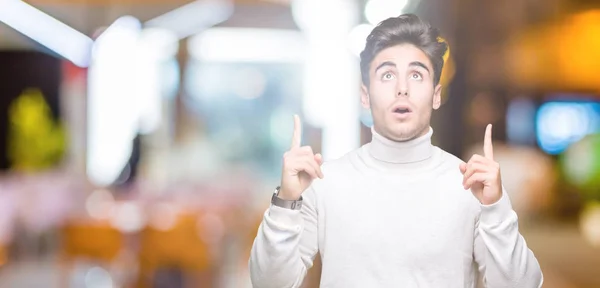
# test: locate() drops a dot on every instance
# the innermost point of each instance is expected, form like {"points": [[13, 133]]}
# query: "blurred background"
{"points": [[141, 140]]}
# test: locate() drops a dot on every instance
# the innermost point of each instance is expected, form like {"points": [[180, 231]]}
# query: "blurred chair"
{"points": [[252, 230], [179, 249], [3, 255], [95, 241]]}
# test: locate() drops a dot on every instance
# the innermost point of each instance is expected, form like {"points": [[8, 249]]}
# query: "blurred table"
{"points": [[566, 259]]}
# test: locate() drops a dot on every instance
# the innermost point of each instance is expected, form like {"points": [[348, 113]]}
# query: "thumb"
{"points": [[462, 167]]}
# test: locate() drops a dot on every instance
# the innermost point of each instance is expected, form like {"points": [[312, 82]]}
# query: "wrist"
{"points": [[487, 199], [490, 200], [293, 204], [284, 195], [497, 212]]}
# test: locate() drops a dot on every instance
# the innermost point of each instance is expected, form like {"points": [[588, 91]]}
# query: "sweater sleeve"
{"points": [[285, 245], [501, 251]]}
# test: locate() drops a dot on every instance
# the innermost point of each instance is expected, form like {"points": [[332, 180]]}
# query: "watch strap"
{"points": [[288, 204]]}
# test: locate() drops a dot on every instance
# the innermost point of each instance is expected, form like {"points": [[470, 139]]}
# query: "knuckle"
{"points": [[287, 156], [306, 149], [470, 165]]}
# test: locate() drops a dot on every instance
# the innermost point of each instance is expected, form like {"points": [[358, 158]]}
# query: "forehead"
{"points": [[401, 55]]}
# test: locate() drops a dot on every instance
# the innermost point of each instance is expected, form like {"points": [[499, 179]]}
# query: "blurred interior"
{"points": [[141, 141]]}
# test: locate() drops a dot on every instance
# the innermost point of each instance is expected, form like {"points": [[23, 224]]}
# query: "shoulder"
{"points": [[341, 165], [449, 158], [453, 178], [336, 171], [449, 162]]}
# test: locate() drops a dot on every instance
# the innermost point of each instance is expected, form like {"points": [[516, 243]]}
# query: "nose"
{"points": [[402, 89]]}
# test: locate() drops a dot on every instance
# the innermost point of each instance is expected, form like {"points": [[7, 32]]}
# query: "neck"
{"points": [[411, 151]]}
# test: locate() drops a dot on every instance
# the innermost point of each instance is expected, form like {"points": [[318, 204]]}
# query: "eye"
{"points": [[416, 76], [387, 76]]}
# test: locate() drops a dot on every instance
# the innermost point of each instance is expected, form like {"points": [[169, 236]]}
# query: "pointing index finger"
{"points": [[488, 149], [296, 139]]}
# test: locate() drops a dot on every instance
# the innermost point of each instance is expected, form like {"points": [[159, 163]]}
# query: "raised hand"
{"points": [[300, 166], [482, 174]]}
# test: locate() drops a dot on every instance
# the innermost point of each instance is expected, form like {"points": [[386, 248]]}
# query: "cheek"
{"points": [[421, 90], [422, 96], [383, 92], [379, 103], [422, 85]]}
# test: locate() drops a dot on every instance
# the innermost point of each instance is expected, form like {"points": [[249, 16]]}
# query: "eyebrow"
{"points": [[392, 64], [419, 64], [384, 64]]}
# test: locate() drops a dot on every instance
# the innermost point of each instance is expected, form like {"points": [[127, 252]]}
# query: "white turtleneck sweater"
{"points": [[392, 214]]}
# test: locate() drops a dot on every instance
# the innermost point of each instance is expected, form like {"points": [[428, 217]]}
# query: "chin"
{"points": [[404, 132]]}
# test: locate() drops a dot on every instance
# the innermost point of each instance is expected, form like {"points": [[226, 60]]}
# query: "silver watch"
{"points": [[289, 204]]}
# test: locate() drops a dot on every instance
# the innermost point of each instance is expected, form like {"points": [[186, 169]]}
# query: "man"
{"points": [[397, 212]]}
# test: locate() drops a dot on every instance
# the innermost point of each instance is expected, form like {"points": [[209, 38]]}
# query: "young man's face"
{"points": [[401, 94]]}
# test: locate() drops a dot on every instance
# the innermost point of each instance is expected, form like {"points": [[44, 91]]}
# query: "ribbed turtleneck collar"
{"points": [[386, 150]]}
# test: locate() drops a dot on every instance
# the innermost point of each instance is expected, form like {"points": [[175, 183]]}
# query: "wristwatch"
{"points": [[289, 204]]}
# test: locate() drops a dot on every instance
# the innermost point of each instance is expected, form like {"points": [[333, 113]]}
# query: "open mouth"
{"points": [[402, 110]]}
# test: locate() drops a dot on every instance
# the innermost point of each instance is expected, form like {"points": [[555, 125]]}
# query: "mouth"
{"points": [[402, 110]]}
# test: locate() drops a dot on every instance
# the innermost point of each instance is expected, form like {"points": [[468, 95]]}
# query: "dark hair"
{"points": [[404, 29]]}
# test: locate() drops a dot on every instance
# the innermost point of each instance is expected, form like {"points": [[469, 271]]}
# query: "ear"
{"points": [[364, 97], [437, 97]]}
